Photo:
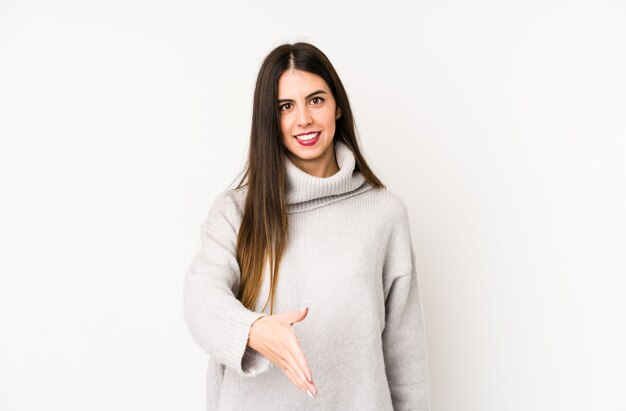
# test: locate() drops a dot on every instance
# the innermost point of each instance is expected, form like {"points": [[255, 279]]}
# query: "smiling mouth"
{"points": [[308, 136]]}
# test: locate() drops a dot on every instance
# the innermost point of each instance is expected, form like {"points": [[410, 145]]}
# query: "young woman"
{"points": [[309, 225]]}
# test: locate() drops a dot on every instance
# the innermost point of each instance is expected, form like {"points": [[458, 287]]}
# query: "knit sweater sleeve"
{"points": [[404, 338], [217, 320]]}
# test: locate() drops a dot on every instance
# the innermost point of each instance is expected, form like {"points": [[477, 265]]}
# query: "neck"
{"points": [[304, 191], [324, 166]]}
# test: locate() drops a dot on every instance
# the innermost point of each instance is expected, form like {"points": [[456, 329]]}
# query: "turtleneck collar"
{"points": [[305, 191]]}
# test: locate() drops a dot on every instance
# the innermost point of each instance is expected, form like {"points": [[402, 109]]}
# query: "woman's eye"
{"points": [[284, 105], [317, 98]]}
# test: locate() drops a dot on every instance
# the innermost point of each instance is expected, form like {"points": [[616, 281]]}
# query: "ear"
{"points": [[338, 113]]}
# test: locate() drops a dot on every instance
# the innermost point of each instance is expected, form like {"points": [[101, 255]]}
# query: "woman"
{"points": [[309, 225]]}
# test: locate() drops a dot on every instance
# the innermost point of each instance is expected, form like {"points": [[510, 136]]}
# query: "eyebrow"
{"points": [[285, 100]]}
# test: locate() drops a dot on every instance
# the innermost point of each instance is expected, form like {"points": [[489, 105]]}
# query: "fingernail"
{"points": [[310, 394], [309, 380], [305, 308]]}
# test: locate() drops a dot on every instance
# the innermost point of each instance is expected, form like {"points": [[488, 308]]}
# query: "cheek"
{"points": [[329, 115]]}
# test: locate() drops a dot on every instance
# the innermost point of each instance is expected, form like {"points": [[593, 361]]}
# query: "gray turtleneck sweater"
{"points": [[350, 259]]}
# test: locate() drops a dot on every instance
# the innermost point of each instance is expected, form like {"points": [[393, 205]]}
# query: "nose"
{"points": [[304, 116]]}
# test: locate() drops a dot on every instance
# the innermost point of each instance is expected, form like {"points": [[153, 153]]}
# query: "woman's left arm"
{"points": [[404, 336]]}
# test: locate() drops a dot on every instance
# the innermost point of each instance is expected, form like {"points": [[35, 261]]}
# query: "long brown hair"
{"points": [[263, 233]]}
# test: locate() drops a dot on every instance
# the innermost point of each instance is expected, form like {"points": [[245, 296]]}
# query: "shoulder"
{"points": [[390, 203], [227, 207], [231, 199], [234, 198]]}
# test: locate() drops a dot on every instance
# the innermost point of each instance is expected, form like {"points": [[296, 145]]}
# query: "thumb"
{"points": [[298, 316]]}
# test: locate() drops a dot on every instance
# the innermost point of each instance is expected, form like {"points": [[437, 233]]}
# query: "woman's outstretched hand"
{"points": [[274, 337]]}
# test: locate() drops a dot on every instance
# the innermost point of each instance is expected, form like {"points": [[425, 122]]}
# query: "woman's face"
{"points": [[306, 105]]}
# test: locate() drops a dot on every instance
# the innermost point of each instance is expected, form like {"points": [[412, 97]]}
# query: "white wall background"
{"points": [[501, 123]]}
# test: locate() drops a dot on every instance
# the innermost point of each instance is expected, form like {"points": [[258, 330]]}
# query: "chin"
{"points": [[311, 153]]}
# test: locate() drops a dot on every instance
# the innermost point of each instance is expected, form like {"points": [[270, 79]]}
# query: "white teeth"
{"points": [[307, 136]]}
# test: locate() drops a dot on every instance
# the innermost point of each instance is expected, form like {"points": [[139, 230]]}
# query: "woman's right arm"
{"points": [[220, 323], [217, 320]]}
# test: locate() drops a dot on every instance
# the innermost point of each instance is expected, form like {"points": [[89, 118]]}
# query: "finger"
{"points": [[276, 357], [282, 357], [280, 360], [295, 349], [297, 316], [302, 363], [288, 369], [298, 357], [293, 364], [290, 362], [294, 352], [299, 380]]}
